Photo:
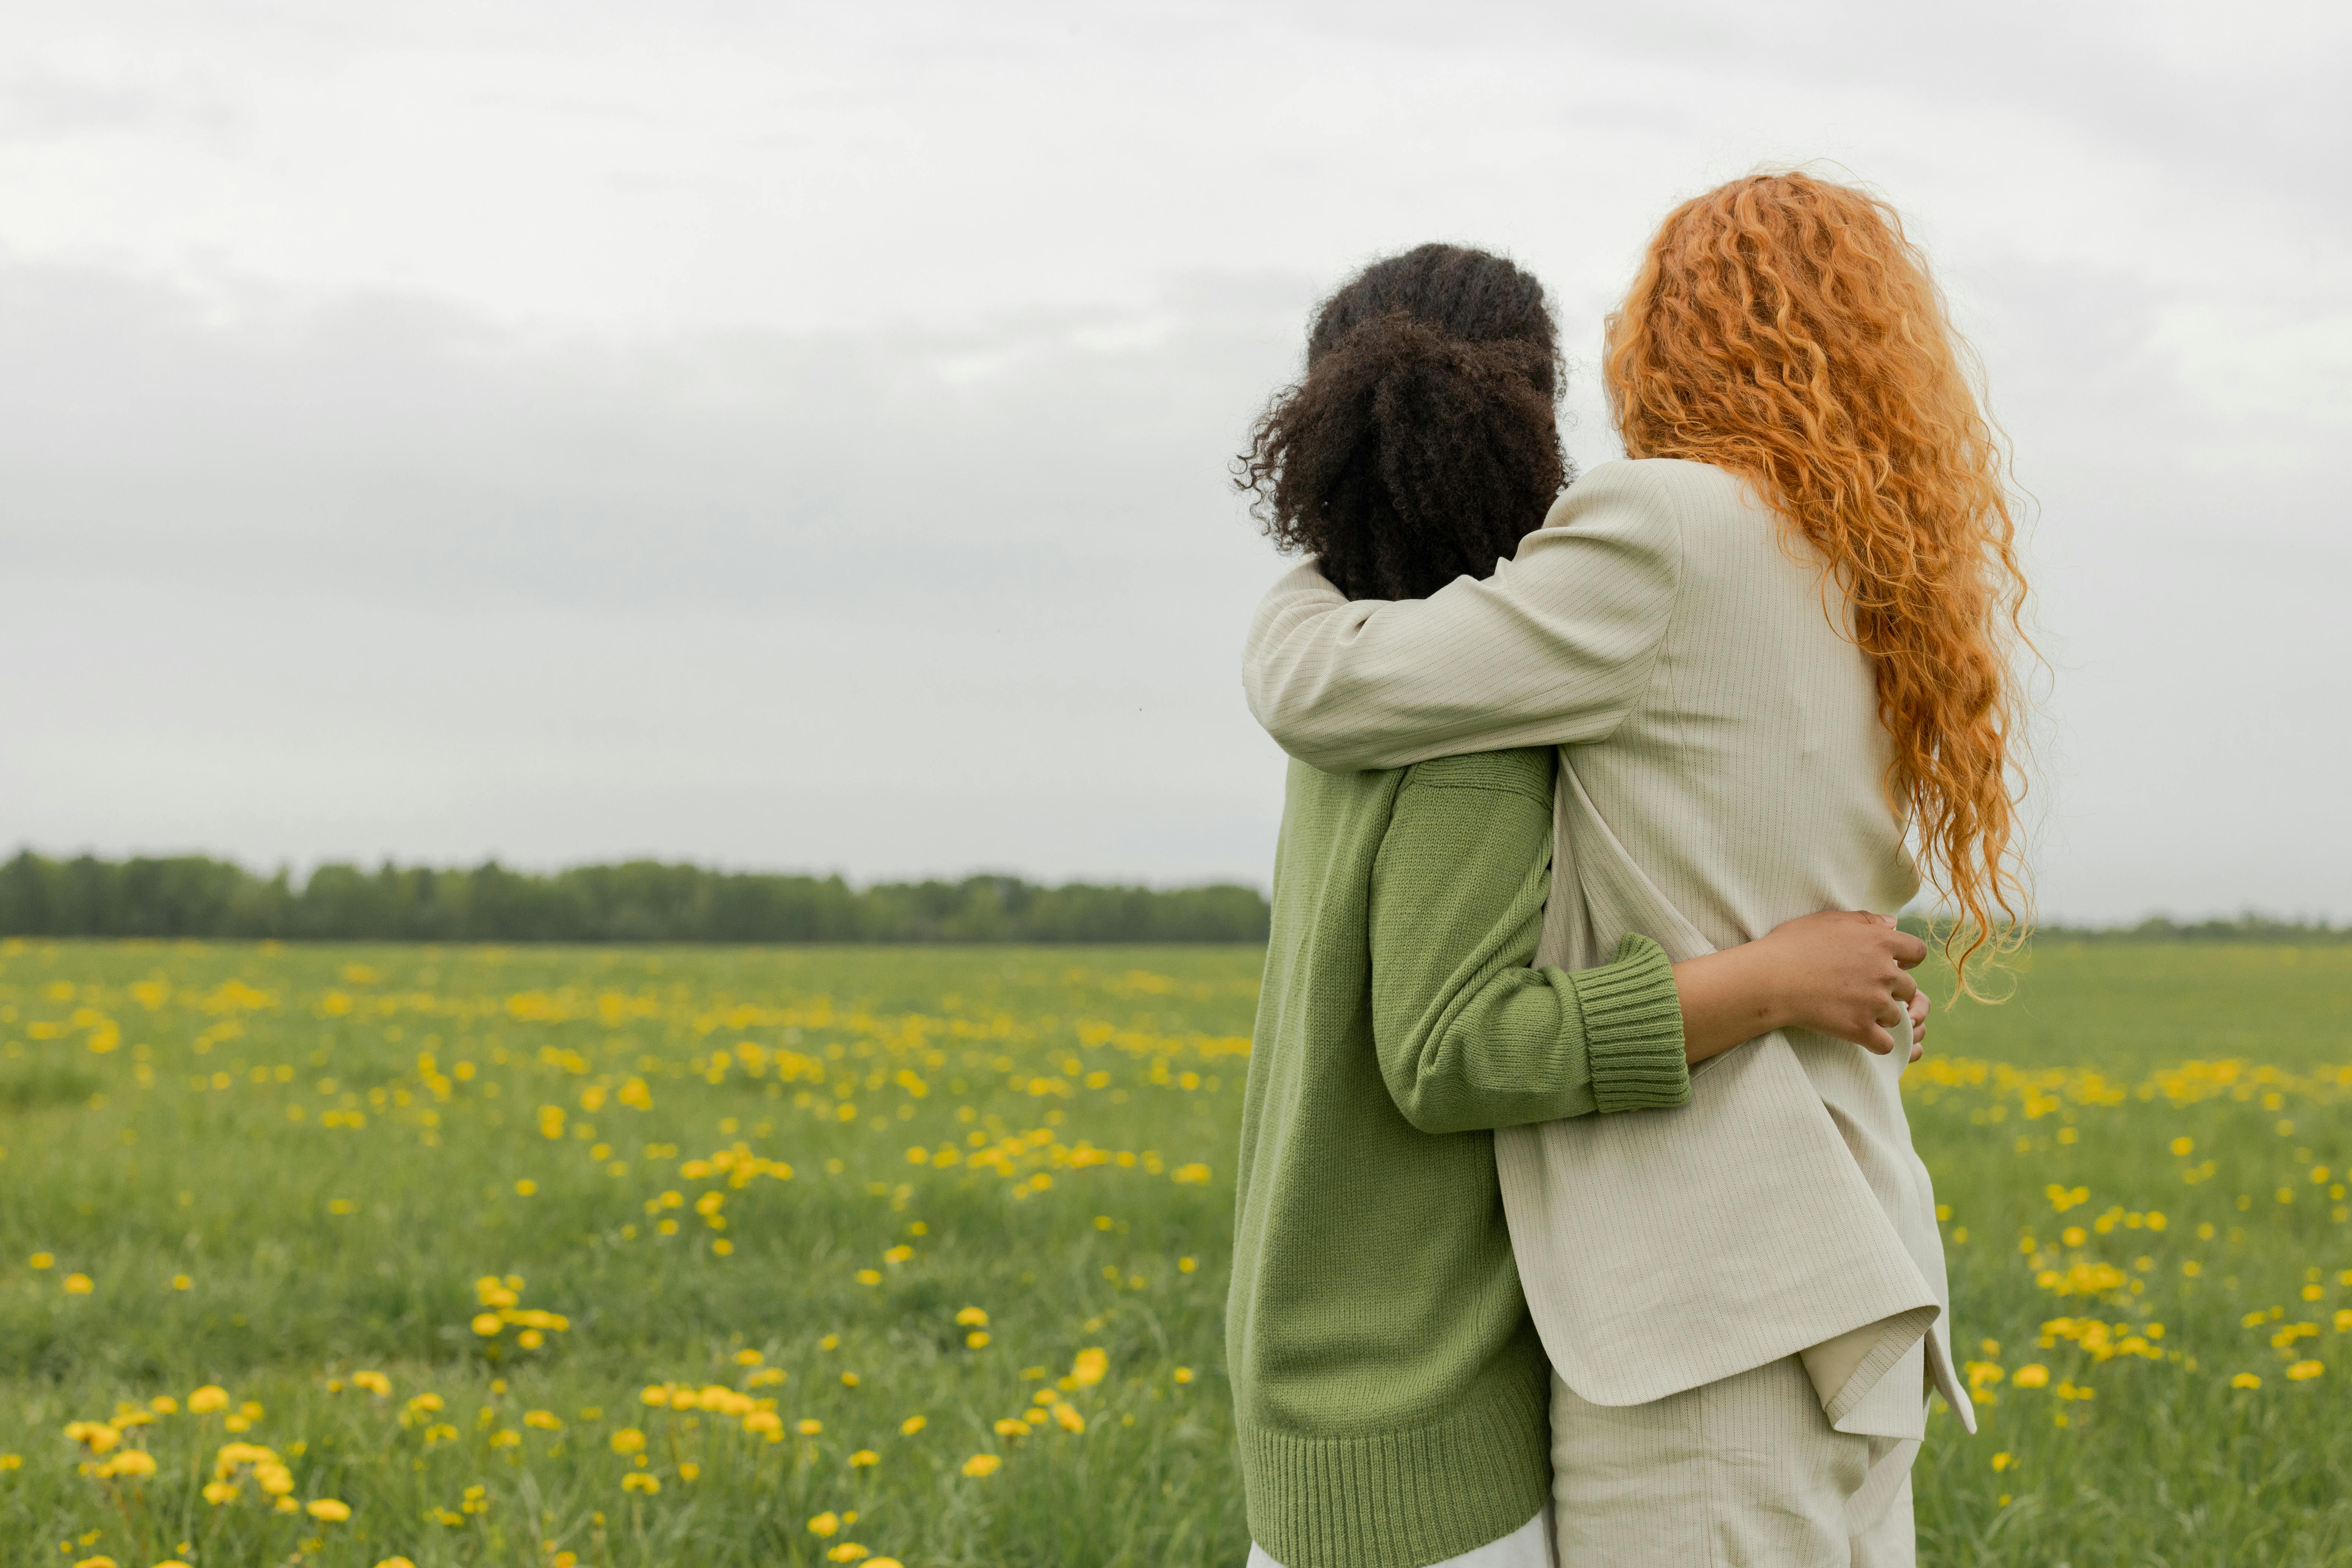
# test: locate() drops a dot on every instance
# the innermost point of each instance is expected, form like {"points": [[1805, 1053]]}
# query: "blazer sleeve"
{"points": [[1555, 647], [1468, 1037]]}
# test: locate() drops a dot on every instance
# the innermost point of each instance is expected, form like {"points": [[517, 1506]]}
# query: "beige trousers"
{"points": [[1741, 1473]]}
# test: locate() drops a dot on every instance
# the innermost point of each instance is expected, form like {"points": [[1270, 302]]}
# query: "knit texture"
{"points": [[1389, 1386]]}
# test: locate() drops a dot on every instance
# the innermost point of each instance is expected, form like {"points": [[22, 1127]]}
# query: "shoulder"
{"points": [[1523, 770], [1340, 791], [1667, 511], [1665, 486]]}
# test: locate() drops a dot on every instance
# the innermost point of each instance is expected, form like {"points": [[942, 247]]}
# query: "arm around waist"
{"points": [[1468, 1036]]}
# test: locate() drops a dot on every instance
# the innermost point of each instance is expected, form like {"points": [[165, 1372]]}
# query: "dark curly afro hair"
{"points": [[1422, 444]]}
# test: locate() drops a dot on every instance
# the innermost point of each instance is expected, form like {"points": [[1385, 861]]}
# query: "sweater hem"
{"points": [[1408, 1498]]}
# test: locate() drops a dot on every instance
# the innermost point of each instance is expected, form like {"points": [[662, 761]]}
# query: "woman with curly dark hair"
{"points": [[1390, 1388]]}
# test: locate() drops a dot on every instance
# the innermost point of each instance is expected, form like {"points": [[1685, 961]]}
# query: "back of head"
{"points": [[1421, 444], [1785, 329]]}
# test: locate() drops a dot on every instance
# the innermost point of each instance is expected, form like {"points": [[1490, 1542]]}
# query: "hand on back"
{"points": [[1847, 974]]}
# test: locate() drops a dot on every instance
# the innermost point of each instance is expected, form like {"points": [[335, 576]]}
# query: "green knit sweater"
{"points": [[1389, 1388]]}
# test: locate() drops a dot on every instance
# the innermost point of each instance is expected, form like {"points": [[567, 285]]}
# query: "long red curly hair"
{"points": [[1785, 329]]}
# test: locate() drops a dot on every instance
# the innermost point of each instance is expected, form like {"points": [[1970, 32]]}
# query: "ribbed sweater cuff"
{"points": [[1633, 1030]]}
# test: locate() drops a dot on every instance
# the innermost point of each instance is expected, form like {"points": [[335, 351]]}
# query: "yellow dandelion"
{"points": [[982, 1465], [808, 1428], [826, 1523], [2304, 1371], [219, 1492], [139, 1464], [1184, 1374], [2245, 1380], [329, 1508], [212, 1396], [912, 1424], [847, 1552], [973, 1317], [863, 1457], [79, 1284], [376, 1383], [2032, 1376], [95, 1436], [639, 1482]]}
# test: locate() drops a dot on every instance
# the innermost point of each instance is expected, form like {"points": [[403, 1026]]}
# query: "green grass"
{"points": [[148, 1111]]}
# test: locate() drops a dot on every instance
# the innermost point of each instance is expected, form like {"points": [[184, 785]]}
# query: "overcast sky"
{"points": [[795, 437]]}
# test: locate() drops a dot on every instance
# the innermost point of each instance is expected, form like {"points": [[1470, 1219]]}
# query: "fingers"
{"points": [[1918, 1050], [1877, 1041], [1908, 950], [1902, 988], [1919, 1013]]}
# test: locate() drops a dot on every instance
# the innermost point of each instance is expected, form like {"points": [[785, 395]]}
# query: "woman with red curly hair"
{"points": [[1772, 650]]}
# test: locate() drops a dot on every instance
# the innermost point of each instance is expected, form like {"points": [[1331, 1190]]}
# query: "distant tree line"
{"points": [[647, 901], [641, 900], [2248, 927]]}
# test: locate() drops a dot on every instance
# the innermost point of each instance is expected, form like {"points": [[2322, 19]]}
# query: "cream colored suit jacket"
{"points": [[1721, 766]]}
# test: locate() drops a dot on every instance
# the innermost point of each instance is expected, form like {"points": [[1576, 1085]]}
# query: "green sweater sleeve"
{"points": [[1468, 1036]]}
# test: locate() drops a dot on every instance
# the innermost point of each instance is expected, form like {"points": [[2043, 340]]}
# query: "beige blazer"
{"points": [[1721, 766]]}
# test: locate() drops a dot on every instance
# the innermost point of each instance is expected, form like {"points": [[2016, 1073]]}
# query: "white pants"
{"points": [[1742, 1473], [1529, 1546]]}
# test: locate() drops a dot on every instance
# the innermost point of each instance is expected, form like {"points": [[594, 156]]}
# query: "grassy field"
{"points": [[605, 1256]]}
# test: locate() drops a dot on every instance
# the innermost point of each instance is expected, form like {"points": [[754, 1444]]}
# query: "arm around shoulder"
{"points": [[1554, 648]]}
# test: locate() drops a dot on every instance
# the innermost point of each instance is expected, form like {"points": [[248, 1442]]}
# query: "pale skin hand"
{"points": [[1845, 974]]}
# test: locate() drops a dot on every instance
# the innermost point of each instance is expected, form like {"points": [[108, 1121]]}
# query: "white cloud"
{"points": [[795, 436]]}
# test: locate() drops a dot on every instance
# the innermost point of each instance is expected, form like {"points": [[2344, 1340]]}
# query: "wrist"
{"points": [[1767, 981]]}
